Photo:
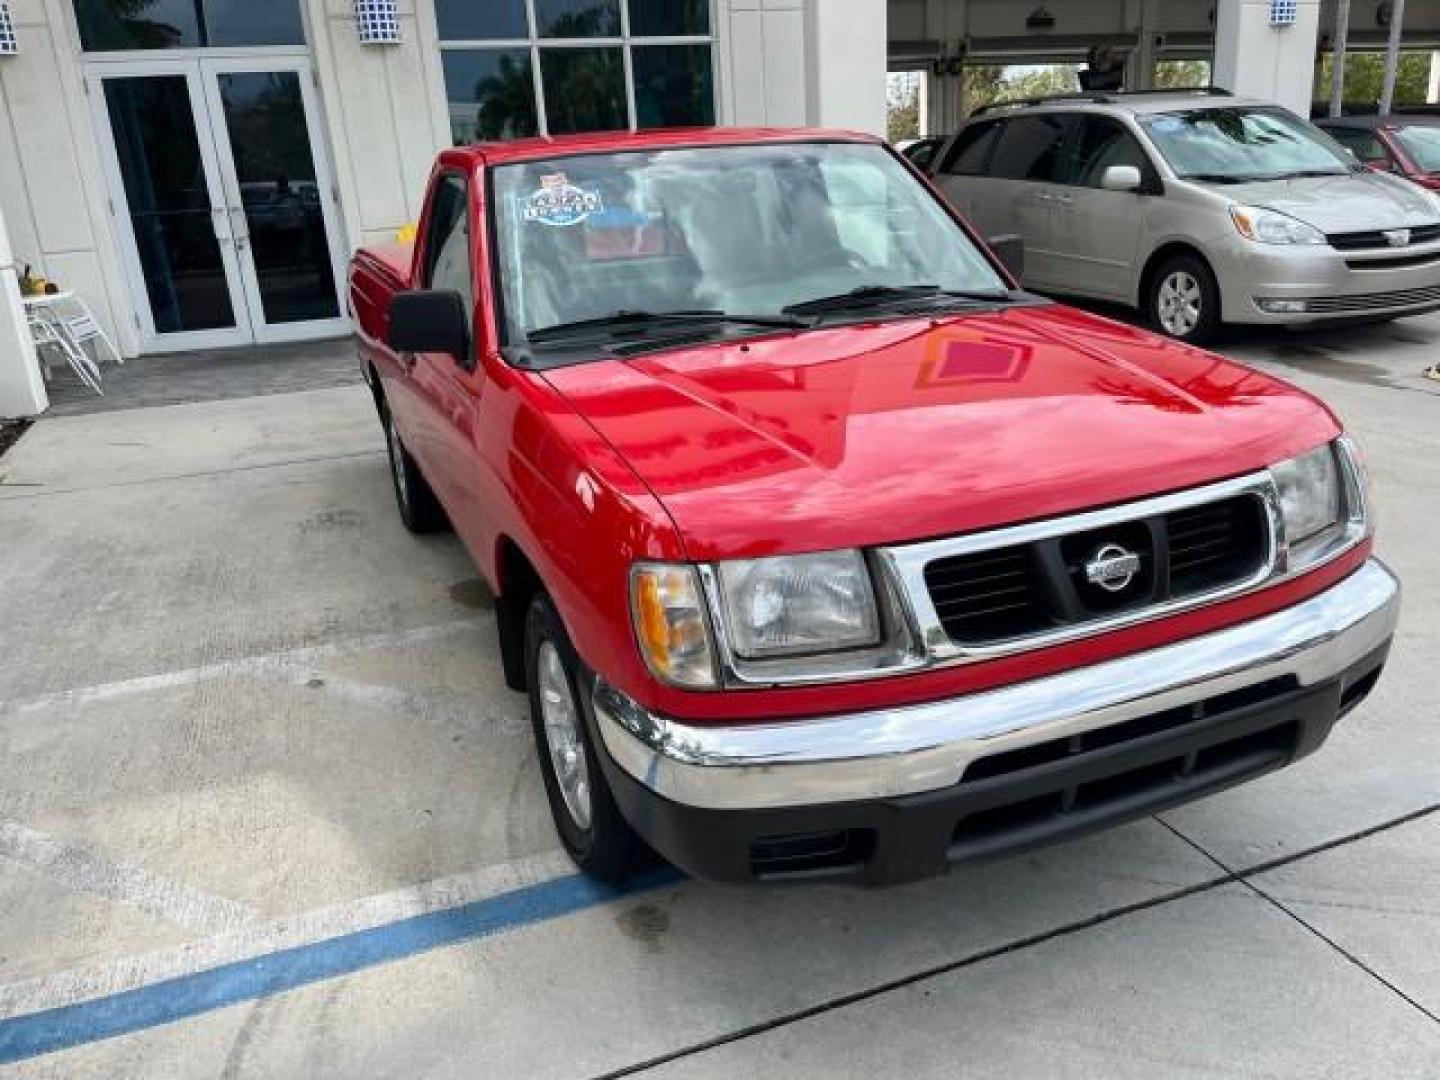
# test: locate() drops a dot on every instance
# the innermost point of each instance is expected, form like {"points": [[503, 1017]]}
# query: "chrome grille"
{"points": [[1060, 578], [1429, 294], [1375, 238]]}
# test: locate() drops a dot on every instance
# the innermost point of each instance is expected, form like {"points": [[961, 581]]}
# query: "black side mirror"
{"points": [[1010, 250], [431, 320]]}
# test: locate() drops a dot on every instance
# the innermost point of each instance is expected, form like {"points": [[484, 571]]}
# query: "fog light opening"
{"points": [[1276, 306]]}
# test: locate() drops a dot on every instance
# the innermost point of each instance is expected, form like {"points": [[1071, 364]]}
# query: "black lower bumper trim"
{"points": [[1041, 796]]}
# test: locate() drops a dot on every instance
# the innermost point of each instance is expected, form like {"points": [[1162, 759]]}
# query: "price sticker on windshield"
{"points": [[559, 202]]}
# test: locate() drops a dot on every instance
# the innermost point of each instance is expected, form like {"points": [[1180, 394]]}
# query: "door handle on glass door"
{"points": [[220, 223], [242, 234]]}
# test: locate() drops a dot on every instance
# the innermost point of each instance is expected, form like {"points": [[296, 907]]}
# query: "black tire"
{"points": [[600, 841], [419, 509], [1183, 300]]}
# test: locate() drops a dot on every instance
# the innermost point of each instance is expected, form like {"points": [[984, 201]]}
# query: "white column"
{"points": [[1259, 60], [845, 62], [22, 390]]}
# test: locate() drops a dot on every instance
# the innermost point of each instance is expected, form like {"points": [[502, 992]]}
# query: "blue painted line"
{"points": [[245, 980]]}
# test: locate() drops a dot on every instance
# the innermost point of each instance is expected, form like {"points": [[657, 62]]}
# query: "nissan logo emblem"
{"points": [[1112, 568]]}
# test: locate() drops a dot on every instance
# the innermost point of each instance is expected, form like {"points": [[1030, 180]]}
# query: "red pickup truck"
{"points": [[821, 549]]}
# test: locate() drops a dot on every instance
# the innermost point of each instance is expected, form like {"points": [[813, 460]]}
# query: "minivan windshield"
{"points": [[1238, 144], [740, 232]]}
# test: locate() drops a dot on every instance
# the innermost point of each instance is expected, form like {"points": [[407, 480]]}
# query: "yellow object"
{"points": [[406, 235], [651, 620]]}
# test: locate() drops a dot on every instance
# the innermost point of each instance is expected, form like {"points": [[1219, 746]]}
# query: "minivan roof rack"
{"points": [[1109, 97]]}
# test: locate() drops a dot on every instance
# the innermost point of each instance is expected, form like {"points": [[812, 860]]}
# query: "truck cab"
{"points": [[821, 549]]}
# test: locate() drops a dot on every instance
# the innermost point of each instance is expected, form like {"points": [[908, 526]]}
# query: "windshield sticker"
{"points": [[559, 202], [623, 233], [1167, 125]]}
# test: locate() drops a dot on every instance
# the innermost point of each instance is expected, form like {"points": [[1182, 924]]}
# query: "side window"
{"points": [[1363, 144], [1029, 148], [447, 241], [972, 147], [1103, 143]]}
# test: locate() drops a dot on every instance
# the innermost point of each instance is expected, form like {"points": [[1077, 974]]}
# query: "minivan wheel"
{"points": [[420, 510], [594, 832], [1184, 301]]}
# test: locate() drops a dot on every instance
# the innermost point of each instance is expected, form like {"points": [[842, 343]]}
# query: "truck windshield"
{"points": [[1241, 144], [739, 231]]}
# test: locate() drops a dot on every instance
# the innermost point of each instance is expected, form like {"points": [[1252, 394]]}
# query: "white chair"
{"points": [[80, 325], [48, 331]]}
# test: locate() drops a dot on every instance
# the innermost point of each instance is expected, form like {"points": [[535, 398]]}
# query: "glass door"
{"points": [[279, 195], [224, 199], [168, 197]]}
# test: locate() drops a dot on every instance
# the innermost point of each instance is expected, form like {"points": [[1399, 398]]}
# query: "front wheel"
{"points": [[595, 834], [420, 510], [1184, 300]]}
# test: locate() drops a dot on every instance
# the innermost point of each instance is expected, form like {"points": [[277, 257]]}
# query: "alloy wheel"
{"points": [[397, 461], [1177, 303], [562, 735]]}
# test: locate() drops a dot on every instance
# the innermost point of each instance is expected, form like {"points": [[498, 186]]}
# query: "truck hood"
{"points": [[1355, 202], [881, 433]]}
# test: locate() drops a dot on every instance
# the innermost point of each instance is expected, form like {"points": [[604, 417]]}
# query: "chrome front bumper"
{"points": [[912, 749]]}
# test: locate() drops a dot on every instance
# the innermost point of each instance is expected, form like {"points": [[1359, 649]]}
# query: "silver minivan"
{"points": [[1198, 208]]}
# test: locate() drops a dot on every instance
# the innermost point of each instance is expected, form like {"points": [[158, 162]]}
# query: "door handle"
{"points": [[220, 224], [241, 234], [1063, 200]]}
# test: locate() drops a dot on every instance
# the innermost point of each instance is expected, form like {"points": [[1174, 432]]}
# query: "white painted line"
{"points": [[262, 937], [276, 662], [82, 871]]}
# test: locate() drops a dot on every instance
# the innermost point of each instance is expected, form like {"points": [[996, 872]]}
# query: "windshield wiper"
{"points": [[869, 296], [624, 319], [1222, 178], [1259, 178]]}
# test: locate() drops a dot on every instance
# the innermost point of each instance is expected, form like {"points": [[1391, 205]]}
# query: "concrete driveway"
{"points": [[267, 810]]}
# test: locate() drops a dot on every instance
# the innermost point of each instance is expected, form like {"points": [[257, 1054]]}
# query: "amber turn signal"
{"points": [[670, 624]]}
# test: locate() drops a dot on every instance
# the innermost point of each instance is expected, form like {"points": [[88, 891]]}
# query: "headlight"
{"points": [[670, 624], [1272, 227], [1309, 489], [795, 605]]}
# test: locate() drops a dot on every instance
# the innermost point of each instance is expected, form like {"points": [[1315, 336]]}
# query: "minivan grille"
{"points": [[1426, 294], [1008, 593], [1375, 238]]}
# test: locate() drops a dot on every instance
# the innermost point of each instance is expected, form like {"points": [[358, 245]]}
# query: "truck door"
{"points": [[444, 390]]}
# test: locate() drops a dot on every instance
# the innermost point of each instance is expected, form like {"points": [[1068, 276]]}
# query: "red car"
{"points": [[821, 549], [1402, 143]]}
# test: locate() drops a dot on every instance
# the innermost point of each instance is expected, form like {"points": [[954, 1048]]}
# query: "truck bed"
{"points": [[376, 274]]}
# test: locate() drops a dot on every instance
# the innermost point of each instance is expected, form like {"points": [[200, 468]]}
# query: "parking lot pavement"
{"points": [[266, 809]]}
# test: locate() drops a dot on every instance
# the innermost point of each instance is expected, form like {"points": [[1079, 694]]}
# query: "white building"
{"points": [[199, 170]]}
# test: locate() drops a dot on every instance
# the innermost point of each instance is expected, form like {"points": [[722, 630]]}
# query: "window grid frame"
{"points": [[625, 41]]}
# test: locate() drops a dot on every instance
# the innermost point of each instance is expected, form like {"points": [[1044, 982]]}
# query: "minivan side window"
{"points": [[971, 150], [1104, 142], [447, 241], [1029, 148]]}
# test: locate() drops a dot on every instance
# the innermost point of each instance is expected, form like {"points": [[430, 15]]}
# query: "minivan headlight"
{"points": [[798, 605], [1266, 226]]}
